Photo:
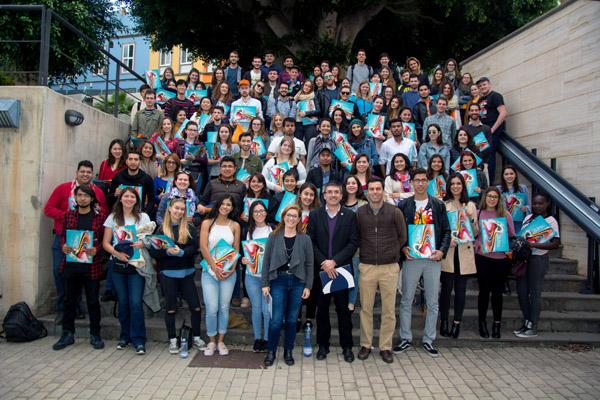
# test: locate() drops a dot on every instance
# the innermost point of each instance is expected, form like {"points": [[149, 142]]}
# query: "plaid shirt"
{"points": [[70, 222], [446, 123]]}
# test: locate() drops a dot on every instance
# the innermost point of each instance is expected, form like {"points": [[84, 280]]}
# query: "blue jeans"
{"points": [[260, 308], [354, 291], [217, 296], [108, 285], [59, 282], [286, 292], [130, 291]]}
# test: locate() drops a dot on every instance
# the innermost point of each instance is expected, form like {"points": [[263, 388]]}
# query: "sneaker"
{"points": [[263, 346], [210, 349], [140, 350], [523, 328], [122, 344], [199, 343], [65, 340], [402, 347], [527, 333], [432, 351], [173, 348], [245, 303], [96, 342], [223, 350], [257, 346]]}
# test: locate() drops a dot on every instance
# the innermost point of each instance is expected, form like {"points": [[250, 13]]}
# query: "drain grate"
{"points": [[235, 359]]}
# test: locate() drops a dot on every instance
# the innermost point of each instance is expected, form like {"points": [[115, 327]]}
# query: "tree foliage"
{"points": [[69, 54], [311, 29]]}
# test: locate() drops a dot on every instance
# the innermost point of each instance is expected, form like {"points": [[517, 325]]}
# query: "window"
{"points": [[127, 56], [164, 58], [185, 61]]}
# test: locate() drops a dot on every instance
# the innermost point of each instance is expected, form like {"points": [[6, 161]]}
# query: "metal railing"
{"points": [[47, 18], [581, 209]]}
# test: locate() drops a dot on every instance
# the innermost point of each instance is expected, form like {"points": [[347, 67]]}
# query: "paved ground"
{"points": [[35, 371]]}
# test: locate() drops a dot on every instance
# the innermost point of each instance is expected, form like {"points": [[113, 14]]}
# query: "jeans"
{"points": [[172, 288], [59, 282], [260, 308], [73, 285], [355, 271], [217, 296], [286, 292], [491, 276], [108, 285], [412, 271], [130, 291], [529, 287]]}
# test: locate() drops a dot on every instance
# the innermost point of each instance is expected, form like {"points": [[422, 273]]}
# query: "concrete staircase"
{"points": [[567, 317]]}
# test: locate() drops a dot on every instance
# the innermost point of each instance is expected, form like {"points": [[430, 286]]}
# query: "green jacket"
{"points": [[147, 125], [253, 164]]}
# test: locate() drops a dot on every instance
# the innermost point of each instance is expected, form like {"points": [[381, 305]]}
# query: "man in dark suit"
{"points": [[334, 233]]}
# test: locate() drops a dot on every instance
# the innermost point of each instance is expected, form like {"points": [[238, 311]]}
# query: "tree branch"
{"points": [[350, 25]]}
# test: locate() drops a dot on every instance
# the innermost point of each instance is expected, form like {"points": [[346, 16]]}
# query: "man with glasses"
{"points": [[282, 102], [333, 231], [345, 96], [394, 145], [222, 185], [423, 109], [330, 92], [422, 209]]}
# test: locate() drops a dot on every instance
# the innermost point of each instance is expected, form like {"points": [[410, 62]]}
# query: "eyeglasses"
{"points": [[260, 86], [420, 181], [291, 216], [327, 76], [171, 162], [345, 93], [492, 196], [432, 131]]}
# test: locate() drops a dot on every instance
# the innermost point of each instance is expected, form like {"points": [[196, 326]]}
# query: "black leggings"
{"points": [[457, 281], [491, 275], [172, 287]]}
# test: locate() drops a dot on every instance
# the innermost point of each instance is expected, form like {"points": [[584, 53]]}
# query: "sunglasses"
{"points": [[345, 93]]}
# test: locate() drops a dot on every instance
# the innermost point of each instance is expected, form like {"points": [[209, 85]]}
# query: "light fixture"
{"points": [[73, 118], [10, 113]]}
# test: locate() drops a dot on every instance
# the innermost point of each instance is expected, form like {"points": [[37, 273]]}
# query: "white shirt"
{"points": [[300, 149], [251, 101], [390, 147], [254, 76], [553, 223], [266, 171]]}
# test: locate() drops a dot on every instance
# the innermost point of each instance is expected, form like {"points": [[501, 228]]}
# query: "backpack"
{"points": [[352, 72], [21, 326]]}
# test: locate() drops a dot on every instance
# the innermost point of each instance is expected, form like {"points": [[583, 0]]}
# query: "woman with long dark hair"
{"points": [[510, 185], [433, 145], [459, 262], [398, 184], [287, 276], [115, 162], [218, 284], [128, 283]]}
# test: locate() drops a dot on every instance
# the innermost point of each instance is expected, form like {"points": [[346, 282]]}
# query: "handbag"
{"points": [[520, 256], [123, 267]]}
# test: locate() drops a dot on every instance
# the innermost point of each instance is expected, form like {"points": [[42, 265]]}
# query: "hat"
{"points": [[357, 121], [243, 82], [325, 149]]}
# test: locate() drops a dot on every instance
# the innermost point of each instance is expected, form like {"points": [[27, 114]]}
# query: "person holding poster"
{"points": [[509, 185], [254, 248], [492, 267], [459, 263], [246, 100], [87, 218], [422, 211], [529, 286], [176, 266], [218, 282]]}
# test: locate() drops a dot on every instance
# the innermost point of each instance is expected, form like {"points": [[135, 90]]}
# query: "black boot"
{"points": [[496, 329], [455, 331], [288, 357], [270, 358], [65, 340], [483, 330], [444, 328]]}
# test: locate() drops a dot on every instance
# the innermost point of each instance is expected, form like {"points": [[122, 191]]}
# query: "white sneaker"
{"points": [[223, 350], [210, 349], [245, 302], [173, 349], [199, 343]]}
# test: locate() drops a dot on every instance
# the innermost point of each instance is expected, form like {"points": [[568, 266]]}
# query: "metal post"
{"points": [[45, 25], [107, 77], [590, 283], [116, 93]]}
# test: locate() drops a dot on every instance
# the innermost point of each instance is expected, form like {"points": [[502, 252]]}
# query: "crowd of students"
{"points": [[319, 211]]}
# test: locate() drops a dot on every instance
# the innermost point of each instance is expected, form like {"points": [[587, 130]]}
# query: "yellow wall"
{"points": [[205, 76]]}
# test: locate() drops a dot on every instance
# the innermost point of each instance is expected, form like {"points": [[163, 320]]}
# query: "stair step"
{"points": [[555, 282], [559, 265]]}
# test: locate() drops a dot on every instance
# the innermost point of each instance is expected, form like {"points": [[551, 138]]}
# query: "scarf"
{"points": [[404, 179], [176, 193], [321, 143], [302, 96]]}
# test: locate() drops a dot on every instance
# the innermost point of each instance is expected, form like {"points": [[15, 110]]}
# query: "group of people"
{"points": [[199, 180]]}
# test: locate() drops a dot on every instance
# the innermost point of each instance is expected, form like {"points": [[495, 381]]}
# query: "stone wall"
{"points": [[42, 153]]}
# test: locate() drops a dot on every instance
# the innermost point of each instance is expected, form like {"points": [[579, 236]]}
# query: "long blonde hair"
{"points": [[281, 225], [292, 157], [167, 226]]}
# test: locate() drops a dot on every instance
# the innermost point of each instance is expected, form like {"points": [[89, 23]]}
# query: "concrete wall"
{"points": [[36, 157], [548, 74]]}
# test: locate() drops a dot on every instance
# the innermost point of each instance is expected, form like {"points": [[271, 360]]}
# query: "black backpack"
{"points": [[21, 326]]}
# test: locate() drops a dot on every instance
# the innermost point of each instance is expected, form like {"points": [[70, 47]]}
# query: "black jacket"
{"points": [[190, 249], [315, 176], [440, 219], [140, 179], [345, 236], [420, 113]]}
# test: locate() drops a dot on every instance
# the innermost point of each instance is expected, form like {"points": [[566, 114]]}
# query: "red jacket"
{"points": [[69, 221], [58, 203]]}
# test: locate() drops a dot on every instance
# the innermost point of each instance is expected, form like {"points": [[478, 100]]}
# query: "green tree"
{"points": [[69, 54], [426, 28]]}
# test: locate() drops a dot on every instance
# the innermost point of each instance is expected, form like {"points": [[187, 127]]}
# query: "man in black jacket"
{"points": [[133, 176], [422, 209], [334, 233]]}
